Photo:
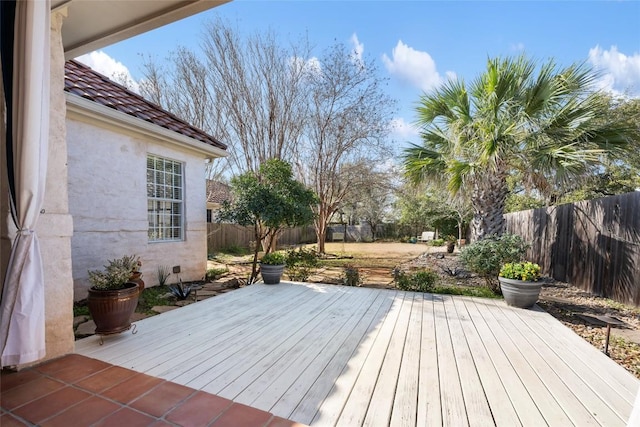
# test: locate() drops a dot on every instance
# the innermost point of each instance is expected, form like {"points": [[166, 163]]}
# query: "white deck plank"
{"points": [[475, 401], [594, 367], [355, 408], [326, 355], [573, 389], [161, 326], [453, 409], [272, 382], [286, 329], [502, 410], [405, 404], [248, 327], [209, 328], [528, 412], [382, 399], [575, 347], [313, 386], [328, 413], [553, 397], [429, 406]]}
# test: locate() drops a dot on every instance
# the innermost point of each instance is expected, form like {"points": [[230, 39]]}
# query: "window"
{"points": [[165, 201]]}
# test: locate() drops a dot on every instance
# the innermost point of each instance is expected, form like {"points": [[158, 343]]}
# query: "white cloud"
{"points": [[619, 73], [307, 66], [402, 129], [517, 46], [358, 48], [414, 66], [115, 70]]}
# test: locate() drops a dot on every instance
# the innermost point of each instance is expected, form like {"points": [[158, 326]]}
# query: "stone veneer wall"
{"points": [[55, 225], [108, 201]]}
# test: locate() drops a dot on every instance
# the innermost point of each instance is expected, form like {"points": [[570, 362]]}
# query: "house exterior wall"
{"points": [[108, 201]]}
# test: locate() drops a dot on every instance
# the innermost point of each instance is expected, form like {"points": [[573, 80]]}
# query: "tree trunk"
{"points": [[488, 198], [321, 231]]}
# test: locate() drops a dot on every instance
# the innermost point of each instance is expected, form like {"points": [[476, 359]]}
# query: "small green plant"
{"points": [[115, 274], [420, 281], [485, 257], [214, 273], [436, 242], [151, 297], [80, 309], [301, 263], [351, 276], [163, 271], [274, 258], [180, 291], [235, 250], [525, 271]]}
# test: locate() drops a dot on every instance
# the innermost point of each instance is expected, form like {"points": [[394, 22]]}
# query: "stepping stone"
{"points": [[78, 320], [86, 328], [206, 293], [138, 316], [163, 308]]}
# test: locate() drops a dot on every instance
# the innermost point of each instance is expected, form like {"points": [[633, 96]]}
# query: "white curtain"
{"points": [[22, 320]]}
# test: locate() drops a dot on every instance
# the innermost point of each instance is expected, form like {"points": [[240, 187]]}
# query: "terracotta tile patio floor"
{"points": [[75, 390]]}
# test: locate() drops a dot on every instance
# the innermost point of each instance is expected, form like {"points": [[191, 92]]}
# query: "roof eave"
{"points": [[112, 118]]}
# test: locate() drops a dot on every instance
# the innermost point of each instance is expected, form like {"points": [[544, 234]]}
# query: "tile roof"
{"points": [[218, 192], [89, 84]]}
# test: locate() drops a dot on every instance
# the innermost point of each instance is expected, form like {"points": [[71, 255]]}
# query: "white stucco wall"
{"points": [[108, 202]]}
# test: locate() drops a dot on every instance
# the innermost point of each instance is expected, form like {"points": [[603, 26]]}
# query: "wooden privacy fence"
{"points": [[221, 236], [594, 244]]}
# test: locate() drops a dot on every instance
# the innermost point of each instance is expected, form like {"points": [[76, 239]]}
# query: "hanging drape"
{"points": [[25, 74]]}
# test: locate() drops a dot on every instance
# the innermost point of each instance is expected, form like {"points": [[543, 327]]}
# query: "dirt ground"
{"points": [[575, 308]]}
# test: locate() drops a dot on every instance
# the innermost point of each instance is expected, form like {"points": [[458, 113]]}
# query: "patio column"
{"points": [[45, 222]]}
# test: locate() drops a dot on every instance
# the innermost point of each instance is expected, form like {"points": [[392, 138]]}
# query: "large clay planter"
{"points": [[518, 293], [111, 310], [271, 274]]}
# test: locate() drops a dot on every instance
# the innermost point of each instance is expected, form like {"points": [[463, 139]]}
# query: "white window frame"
{"points": [[165, 199]]}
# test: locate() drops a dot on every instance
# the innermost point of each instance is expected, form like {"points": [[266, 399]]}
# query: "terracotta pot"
{"points": [[518, 293], [271, 274], [136, 277], [111, 310]]}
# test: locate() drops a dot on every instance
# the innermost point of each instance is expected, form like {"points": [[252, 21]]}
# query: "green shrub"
{"points": [[301, 263], [420, 281], [486, 257], [436, 242], [351, 276]]}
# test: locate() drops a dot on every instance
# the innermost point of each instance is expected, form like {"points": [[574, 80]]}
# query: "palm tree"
{"points": [[513, 117]]}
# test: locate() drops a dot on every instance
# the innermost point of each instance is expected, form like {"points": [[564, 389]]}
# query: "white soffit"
{"points": [[93, 24]]}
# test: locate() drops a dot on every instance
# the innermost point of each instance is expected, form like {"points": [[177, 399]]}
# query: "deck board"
{"points": [[329, 355]]}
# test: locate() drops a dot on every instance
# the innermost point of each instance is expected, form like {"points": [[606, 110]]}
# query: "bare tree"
{"points": [[348, 123], [248, 92], [371, 199]]}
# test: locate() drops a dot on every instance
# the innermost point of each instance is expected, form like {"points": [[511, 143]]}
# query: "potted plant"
{"points": [[113, 297], [451, 243], [272, 266], [136, 274], [520, 283]]}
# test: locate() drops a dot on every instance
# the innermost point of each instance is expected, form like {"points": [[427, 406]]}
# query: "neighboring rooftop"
{"points": [[218, 192], [89, 84]]}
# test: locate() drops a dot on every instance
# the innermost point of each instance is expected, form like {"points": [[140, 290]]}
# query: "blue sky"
{"points": [[419, 44]]}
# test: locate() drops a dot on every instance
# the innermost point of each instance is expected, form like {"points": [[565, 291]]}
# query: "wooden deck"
{"points": [[331, 355]]}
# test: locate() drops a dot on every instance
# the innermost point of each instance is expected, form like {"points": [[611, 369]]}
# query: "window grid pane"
{"points": [[164, 195]]}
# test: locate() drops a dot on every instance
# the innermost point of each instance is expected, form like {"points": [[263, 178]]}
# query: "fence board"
{"points": [[594, 244], [221, 236]]}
